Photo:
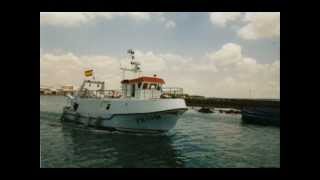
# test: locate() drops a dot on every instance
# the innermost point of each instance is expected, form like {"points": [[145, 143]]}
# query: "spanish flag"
{"points": [[88, 73]]}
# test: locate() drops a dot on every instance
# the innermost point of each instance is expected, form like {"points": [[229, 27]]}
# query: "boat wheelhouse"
{"points": [[142, 88]]}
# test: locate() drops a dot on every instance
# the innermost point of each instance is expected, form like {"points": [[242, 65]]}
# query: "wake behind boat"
{"points": [[137, 108]]}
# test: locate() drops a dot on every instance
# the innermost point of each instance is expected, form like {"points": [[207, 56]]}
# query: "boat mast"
{"points": [[135, 64]]}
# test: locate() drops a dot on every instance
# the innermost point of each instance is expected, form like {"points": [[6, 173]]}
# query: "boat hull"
{"points": [[155, 122], [159, 120]]}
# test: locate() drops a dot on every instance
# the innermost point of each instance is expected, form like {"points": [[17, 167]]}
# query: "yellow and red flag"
{"points": [[88, 73]]}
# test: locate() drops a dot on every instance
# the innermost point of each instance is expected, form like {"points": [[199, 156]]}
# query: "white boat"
{"points": [[138, 108]]}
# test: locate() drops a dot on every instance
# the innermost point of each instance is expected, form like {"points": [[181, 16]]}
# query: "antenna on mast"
{"points": [[136, 68], [131, 53]]}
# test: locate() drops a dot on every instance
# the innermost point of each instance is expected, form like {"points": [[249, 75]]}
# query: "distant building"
{"points": [[63, 91], [45, 91], [53, 91], [67, 89]]}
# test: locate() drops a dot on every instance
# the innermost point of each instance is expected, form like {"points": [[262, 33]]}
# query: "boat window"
{"points": [[139, 85], [145, 86], [133, 90], [153, 86], [158, 87]]}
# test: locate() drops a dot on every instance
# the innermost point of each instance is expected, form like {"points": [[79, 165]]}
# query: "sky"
{"points": [[214, 54]]}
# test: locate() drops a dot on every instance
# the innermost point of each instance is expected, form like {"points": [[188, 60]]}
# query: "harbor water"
{"points": [[198, 141]]}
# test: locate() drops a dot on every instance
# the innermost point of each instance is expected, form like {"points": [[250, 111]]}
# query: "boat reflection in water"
{"points": [[94, 148]]}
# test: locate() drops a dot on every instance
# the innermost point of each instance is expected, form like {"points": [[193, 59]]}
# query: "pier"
{"points": [[231, 103], [253, 111]]}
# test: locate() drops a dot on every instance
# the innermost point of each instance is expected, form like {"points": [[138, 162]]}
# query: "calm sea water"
{"points": [[198, 140]]}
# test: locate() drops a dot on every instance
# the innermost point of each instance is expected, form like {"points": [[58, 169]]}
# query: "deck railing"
{"points": [[99, 93], [148, 93], [172, 90]]}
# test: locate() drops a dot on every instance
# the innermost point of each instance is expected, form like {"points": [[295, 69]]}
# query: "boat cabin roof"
{"points": [[143, 79]]}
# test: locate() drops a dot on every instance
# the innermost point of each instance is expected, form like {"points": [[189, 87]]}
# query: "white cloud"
{"points": [[137, 15], [260, 25], [222, 18], [223, 73], [74, 19], [170, 24], [150, 61], [64, 19], [162, 19], [244, 74], [229, 54], [68, 68]]}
